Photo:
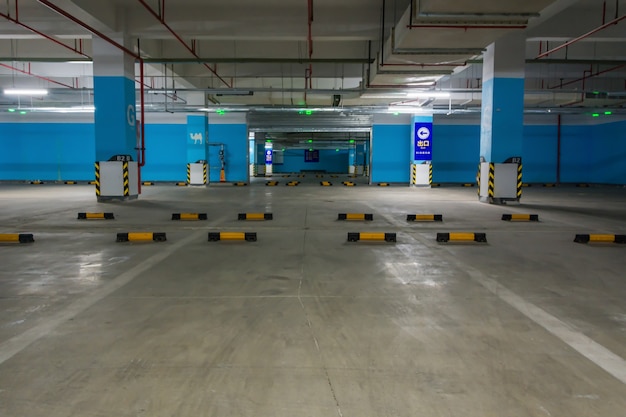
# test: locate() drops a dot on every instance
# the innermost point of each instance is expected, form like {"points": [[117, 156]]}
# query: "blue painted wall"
{"points": [[455, 153], [235, 139], [391, 153], [47, 151], [166, 153], [609, 154], [539, 150], [66, 151], [330, 161]]}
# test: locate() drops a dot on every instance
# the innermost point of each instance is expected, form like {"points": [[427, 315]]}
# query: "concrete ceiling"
{"points": [[371, 53]]}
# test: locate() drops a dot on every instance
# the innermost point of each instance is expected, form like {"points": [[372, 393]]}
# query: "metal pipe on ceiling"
{"points": [[35, 75], [50, 38], [161, 19], [581, 37], [464, 26], [122, 48]]}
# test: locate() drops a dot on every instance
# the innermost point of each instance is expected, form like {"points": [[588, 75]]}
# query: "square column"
{"points": [[502, 117], [197, 150], [115, 115]]}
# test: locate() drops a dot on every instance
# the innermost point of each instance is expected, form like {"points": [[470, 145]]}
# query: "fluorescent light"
{"points": [[80, 62], [25, 92]]}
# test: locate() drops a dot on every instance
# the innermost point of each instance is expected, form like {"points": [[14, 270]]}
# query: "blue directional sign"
{"points": [[268, 156], [423, 141]]}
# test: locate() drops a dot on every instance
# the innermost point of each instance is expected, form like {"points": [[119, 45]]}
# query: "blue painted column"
{"points": [[228, 132], [197, 168], [391, 147], [502, 117], [115, 120], [502, 121], [352, 160]]}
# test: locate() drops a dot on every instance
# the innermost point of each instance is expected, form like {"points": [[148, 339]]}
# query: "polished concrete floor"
{"points": [[302, 322]]}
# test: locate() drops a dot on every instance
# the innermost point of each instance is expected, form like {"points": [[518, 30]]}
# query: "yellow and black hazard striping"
{"points": [[141, 237], [255, 216], [301, 176], [430, 173], [467, 184], [521, 217], [371, 236], [97, 165], [188, 173], [349, 184], [424, 217], [491, 186], [383, 184], [189, 216], [326, 183], [519, 181], [147, 183], [205, 174], [245, 236], [96, 216], [478, 175], [549, 185], [413, 174], [271, 183], [355, 216], [600, 238], [16, 238], [91, 183], [292, 183], [334, 176], [126, 181], [462, 237], [70, 182], [240, 184], [525, 184], [435, 184], [286, 176], [38, 182], [181, 184]]}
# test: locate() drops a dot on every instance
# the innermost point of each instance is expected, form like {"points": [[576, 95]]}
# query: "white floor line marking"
{"points": [[613, 364], [590, 349], [16, 344]]}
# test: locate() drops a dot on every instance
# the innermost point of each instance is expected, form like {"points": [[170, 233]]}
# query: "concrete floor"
{"points": [[303, 323]]}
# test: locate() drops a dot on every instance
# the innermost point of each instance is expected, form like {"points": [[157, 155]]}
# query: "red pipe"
{"points": [[586, 35], [25, 26], [604, 12], [96, 32], [35, 75], [162, 20], [424, 65], [465, 27], [591, 74], [582, 95]]}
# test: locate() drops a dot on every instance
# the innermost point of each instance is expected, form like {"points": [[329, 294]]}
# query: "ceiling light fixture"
{"points": [[25, 92]]}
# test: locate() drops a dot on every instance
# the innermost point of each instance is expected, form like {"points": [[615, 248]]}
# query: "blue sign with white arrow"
{"points": [[423, 141]]}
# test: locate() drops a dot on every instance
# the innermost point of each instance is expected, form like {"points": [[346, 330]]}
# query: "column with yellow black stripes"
{"points": [[117, 122], [197, 149], [502, 120], [97, 179], [117, 179]]}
